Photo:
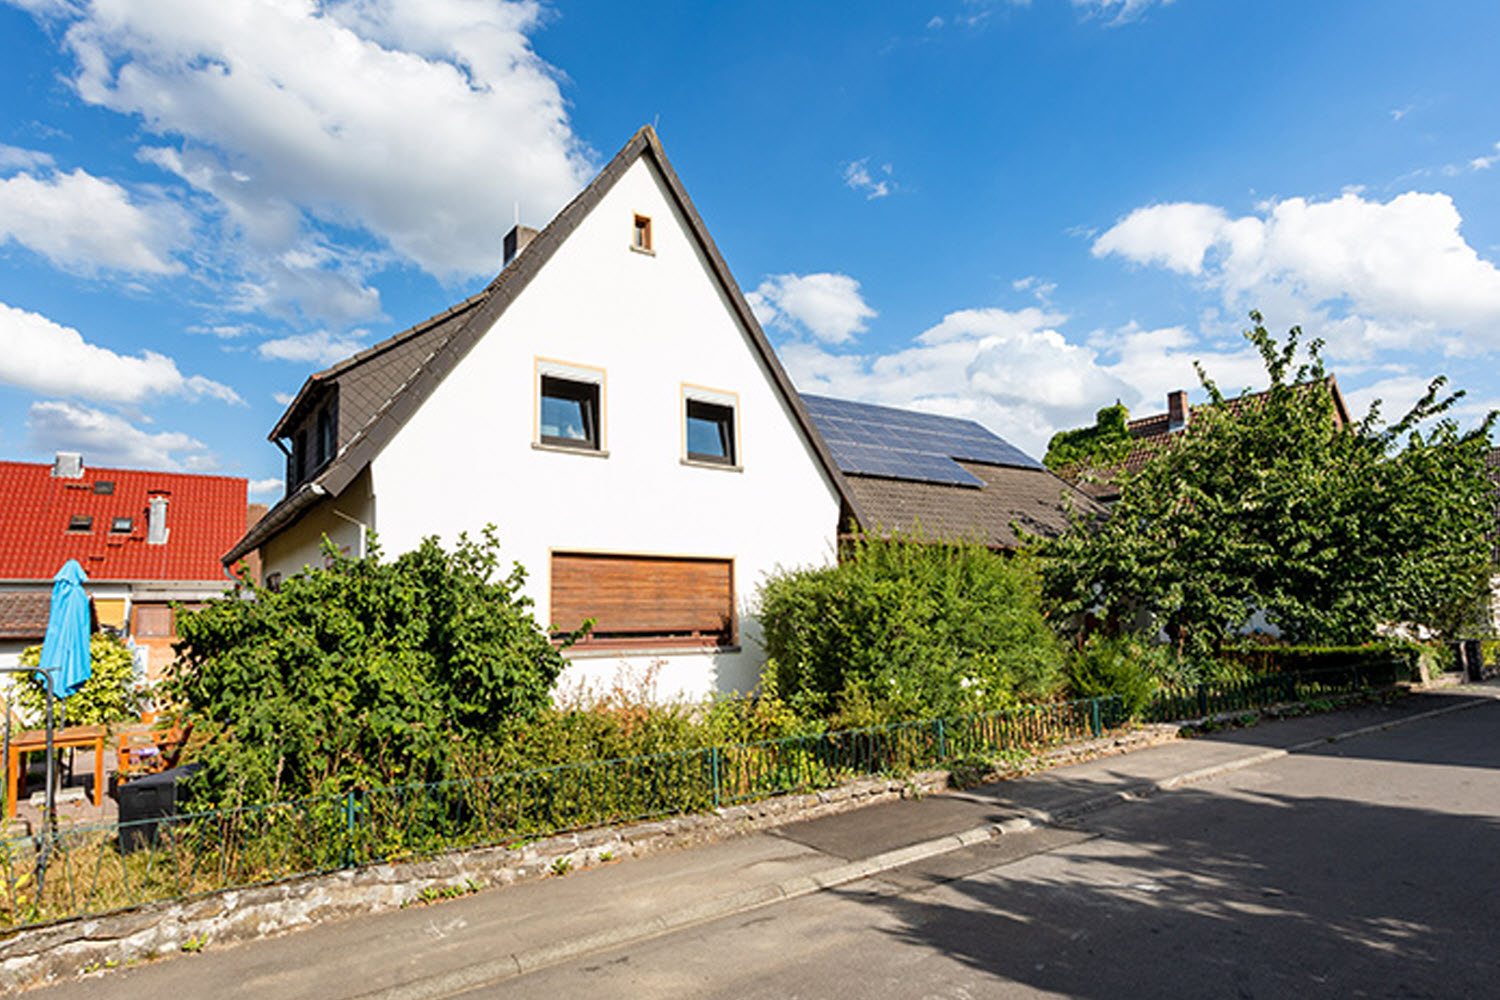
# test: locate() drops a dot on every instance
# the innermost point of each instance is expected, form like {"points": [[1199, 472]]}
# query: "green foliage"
{"points": [[902, 629], [1118, 666], [1385, 662], [1266, 503], [108, 695], [1106, 443], [363, 673]]}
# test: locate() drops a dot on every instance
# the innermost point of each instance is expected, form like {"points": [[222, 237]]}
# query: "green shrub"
{"points": [[108, 695], [1107, 666], [364, 673], [1377, 663], [905, 629]]}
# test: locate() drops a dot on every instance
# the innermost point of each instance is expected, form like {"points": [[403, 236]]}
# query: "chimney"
{"points": [[1178, 412], [516, 240], [68, 465], [156, 520]]}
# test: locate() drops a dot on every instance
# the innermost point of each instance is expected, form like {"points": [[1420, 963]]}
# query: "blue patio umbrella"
{"points": [[65, 650]]}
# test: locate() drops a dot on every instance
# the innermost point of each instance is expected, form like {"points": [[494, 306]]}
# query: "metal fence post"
{"points": [[351, 807], [1094, 718], [1202, 700], [713, 756], [942, 741]]}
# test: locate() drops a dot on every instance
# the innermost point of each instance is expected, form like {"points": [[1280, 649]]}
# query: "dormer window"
{"points": [[640, 237]]}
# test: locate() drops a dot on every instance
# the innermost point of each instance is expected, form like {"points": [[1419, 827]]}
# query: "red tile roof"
{"points": [[24, 615], [205, 516]]}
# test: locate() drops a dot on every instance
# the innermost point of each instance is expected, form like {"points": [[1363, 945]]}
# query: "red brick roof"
{"points": [[205, 516]]}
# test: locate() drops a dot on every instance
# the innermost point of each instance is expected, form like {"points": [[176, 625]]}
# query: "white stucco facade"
{"points": [[652, 323]]}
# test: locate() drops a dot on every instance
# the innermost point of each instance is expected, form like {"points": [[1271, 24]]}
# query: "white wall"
{"points": [[466, 458]]}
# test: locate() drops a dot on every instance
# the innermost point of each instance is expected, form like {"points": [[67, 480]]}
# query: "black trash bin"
{"points": [[148, 803]]}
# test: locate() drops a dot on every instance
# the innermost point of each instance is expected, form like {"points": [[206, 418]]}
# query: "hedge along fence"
{"points": [[92, 869]]}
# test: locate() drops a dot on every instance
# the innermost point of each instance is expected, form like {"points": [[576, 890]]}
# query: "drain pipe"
{"points": [[364, 529]]}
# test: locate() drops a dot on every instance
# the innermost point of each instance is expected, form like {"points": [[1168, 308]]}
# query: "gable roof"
{"points": [[395, 377], [1150, 434], [998, 488], [205, 514]]}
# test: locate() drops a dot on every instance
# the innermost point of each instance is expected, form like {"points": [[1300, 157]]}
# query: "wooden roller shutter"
{"points": [[644, 600]]}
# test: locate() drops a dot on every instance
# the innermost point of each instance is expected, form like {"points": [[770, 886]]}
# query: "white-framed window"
{"points": [[710, 427], [570, 407]]}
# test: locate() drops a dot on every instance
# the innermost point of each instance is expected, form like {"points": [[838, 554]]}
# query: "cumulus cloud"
{"points": [[266, 489], [46, 357], [16, 158], [422, 123], [320, 346], [108, 439], [826, 306], [1367, 275], [84, 223], [858, 177]]}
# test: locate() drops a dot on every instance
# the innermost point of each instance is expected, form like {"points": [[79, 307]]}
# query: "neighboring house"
{"points": [[1151, 434], [611, 405], [921, 475], [145, 540]]}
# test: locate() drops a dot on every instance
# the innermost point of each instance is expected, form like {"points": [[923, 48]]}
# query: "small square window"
{"points": [[640, 238], [80, 522], [122, 525], [570, 413], [104, 487], [710, 432]]}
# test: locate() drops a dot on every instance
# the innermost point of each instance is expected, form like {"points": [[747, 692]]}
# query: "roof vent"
{"points": [[1178, 413], [516, 240], [156, 521], [68, 465]]}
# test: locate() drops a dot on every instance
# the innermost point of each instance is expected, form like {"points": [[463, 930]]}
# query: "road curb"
{"points": [[529, 960]]}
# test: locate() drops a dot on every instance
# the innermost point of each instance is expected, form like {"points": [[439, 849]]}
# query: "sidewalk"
{"points": [[433, 951]]}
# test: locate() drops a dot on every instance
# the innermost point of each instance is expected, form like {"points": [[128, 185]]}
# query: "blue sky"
{"points": [[1013, 211]]}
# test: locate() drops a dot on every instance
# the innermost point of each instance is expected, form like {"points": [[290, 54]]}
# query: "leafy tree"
{"points": [[108, 695], [1090, 451], [905, 628], [1267, 504], [363, 673]]}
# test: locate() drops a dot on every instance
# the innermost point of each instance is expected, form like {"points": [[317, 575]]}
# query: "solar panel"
{"points": [[903, 444]]}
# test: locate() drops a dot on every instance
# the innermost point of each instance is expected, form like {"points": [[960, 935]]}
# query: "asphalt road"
{"points": [[1370, 868]]}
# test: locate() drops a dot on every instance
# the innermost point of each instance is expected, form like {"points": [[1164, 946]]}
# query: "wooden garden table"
{"points": [[36, 739]]}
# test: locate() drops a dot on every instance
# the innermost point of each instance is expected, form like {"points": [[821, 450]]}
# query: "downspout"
{"points": [[364, 529]]}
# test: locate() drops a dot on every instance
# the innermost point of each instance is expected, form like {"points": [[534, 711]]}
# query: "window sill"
{"points": [[696, 464], [645, 251], [616, 652], [563, 449]]}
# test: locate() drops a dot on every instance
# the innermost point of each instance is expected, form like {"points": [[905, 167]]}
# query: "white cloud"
{"points": [[827, 306], [319, 346], [1485, 162], [423, 123], [284, 398], [1365, 275], [267, 489], [82, 223], [858, 177], [46, 357], [16, 158], [107, 439], [1118, 11]]}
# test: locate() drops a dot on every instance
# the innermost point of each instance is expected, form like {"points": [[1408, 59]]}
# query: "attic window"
{"points": [[710, 427], [570, 413], [104, 487], [122, 525], [80, 522], [640, 238]]}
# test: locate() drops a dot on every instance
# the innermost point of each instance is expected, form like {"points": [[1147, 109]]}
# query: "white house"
{"points": [[611, 405]]}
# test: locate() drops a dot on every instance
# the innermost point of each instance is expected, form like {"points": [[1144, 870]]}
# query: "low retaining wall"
{"points": [[55, 951]]}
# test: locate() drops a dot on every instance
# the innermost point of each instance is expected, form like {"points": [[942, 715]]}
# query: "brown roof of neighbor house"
{"points": [[1155, 432], [23, 615], [1034, 500], [380, 388]]}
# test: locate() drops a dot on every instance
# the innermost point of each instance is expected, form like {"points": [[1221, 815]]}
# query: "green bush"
{"points": [[1107, 666], [364, 673], [904, 629], [1377, 663], [108, 695]]}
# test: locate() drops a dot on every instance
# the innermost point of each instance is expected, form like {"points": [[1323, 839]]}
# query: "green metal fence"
{"points": [[98, 868]]}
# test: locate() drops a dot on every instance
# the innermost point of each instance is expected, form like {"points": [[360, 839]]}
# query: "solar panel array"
{"points": [[901, 444]]}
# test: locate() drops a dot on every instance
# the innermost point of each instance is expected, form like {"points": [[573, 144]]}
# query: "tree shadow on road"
{"points": [[1249, 896]]}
